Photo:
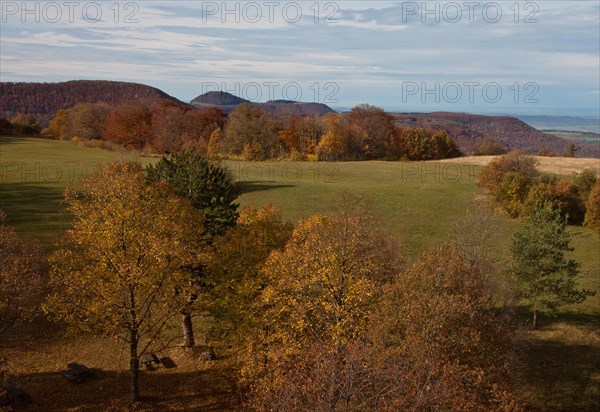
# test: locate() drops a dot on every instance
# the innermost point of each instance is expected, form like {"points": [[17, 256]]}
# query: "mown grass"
{"points": [[33, 175], [418, 203]]}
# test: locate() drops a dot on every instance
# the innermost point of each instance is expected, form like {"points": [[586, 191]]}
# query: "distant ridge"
{"points": [[218, 98], [43, 100], [470, 129], [228, 102]]}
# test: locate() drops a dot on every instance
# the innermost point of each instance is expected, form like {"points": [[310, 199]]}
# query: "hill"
{"points": [[217, 98], [470, 129], [43, 100], [228, 102]]}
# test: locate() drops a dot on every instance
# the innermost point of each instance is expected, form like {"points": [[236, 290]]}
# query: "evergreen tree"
{"points": [[211, 190], [548, 279], [206, 185]]}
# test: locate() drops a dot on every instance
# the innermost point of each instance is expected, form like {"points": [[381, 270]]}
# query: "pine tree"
{"points": [[548, 279]]}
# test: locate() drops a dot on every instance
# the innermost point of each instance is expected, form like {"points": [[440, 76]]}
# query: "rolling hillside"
{"points": [[43, 100], [510, 132]]}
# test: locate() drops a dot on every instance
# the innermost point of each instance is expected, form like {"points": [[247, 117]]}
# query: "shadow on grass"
{"points": [[562, 376], [22, 139], [161, 390], [258, 186], [545, 320], [34, 209]]}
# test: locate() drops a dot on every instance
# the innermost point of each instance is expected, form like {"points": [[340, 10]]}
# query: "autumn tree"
{"points": [[20, 276], [252, 133], [548, 279], [56, 128], [212, 191], [592, 215], [25, 124], [376, 130], [585, 181], [234, 270], [168, 128], [321, 289], [438, 341], [420, 144], [561, 194], [115, 270], [476, 237], [492, 175], [301, 138], [200, 124], [508, 179], [130, 125], [334, 142]]}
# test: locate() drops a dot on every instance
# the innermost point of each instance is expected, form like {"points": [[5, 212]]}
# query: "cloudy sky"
{"points": [[489, 57]]}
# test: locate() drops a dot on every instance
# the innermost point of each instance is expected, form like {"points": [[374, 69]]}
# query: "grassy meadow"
{"points": [[417, 202], [586, 137]]}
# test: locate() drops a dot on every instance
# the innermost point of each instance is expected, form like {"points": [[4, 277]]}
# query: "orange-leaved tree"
{"points": [[315, 311]]}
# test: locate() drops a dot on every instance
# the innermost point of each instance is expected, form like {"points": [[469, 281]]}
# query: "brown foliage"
{"points": [[20, 276], [438, 341], [592, 215], [420, 144], [130, 125], [561, 194], [252, 133]]}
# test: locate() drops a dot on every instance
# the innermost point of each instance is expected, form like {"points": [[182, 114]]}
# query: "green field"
{"points": [[586, 137], [417, 202]]}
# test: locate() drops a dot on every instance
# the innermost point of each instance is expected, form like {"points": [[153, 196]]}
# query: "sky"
{"points": [[514, 57]]}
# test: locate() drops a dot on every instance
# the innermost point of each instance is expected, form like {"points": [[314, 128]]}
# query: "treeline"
{"points": [[20, 125], [250, 133], [518, 188]]}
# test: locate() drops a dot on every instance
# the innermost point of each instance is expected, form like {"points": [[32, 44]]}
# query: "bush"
{"points": [[592, 215], [512, 192], [585, 181], [562, 195]]}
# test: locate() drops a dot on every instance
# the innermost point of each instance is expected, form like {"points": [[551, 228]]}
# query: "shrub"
{"points": [[592, 216], [562, 195], [512, 192]]}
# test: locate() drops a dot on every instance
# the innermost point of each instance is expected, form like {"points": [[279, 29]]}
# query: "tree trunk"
{"points": [[534, 318], [134, 367], [188, 330]]}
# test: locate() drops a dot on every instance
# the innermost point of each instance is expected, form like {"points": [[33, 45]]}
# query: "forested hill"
{"points": [[468, 130], [228, 102], [43, 100]]}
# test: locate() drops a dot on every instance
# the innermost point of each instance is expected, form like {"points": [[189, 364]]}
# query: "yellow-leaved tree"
{"points": [[115, 271], [315, 310], [234, 270]]}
